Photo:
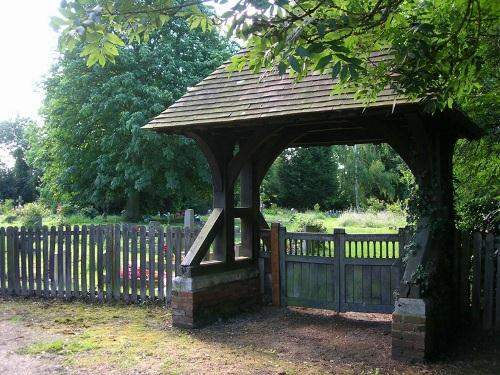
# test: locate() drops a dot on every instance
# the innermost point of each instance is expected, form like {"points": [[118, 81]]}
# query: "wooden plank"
{"points": [[30, 250], [116, 259], [169, 264], [67, 235], [205, 238], [321, 274], [309, 259], [339, 258], [464, 277], [83, 262], [60, 262], [305, 285], [23, 252], [143, 249], [161, 251], [358, 284], [100, 231], [476, 279], [133, 256], [38, 260], [275, 264], [395, 279], [151, 263], [52, 262], [330, 284], [385, 286], [3, 243], [489, 282], [76, 261], [109, 263], [10, 260], [126, 264], [46, 261], [282, 265], [367, 284], [178, 252], [376, 285], [92, 261], [348, 284], [497, 303]]}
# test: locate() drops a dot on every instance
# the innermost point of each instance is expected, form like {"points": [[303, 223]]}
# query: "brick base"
{"points": [[410, 330], [198, 302]]}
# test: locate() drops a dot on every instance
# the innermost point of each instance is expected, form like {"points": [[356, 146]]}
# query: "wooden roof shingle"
{"points": [[225, 98]]}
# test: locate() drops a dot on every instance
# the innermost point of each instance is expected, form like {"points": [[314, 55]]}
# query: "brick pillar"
{"points": [[411, 330], [199, 300]]}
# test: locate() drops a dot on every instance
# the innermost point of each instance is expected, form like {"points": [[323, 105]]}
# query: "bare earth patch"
{"points": [[40, 337]]}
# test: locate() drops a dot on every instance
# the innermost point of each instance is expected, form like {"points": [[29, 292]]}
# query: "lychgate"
{"points": [[243, 121]]}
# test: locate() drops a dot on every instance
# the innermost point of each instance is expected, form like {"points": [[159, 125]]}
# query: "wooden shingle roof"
{"points": [[224, 99]]}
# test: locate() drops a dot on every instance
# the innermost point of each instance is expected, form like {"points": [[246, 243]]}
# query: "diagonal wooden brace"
{"points": [[205, 238]]}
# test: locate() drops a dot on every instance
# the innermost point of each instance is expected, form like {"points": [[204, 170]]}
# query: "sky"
{"points": [[28, 50]]}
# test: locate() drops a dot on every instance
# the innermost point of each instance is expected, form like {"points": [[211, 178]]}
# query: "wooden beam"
{"points": [[275, 264], [202, 243]]}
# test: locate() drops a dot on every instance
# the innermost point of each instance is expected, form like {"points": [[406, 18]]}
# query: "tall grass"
{"points": [[382, 219]]}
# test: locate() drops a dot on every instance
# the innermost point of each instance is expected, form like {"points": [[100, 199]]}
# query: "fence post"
{"points": [[275, 263], [497, 304], [282, 265], [476, 280], [338, 252], [488, 282]]}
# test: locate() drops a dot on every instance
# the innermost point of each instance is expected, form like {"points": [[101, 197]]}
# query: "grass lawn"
{"points": [[90, 339]]}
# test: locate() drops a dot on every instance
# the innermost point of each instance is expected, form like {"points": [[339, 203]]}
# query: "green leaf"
{"points": [[302, 52], [281, 68], [113, 38], [294, 63], [353, 71], [324, 61], [336, 69]]}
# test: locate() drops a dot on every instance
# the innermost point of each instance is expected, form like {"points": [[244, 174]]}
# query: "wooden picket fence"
{"points": [[129, 263], [479, 279]]}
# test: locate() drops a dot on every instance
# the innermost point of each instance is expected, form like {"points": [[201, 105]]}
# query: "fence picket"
{"points": [[83, 262], [151, 258], [161, 265], [52, 262], [488, 282], [92, 238], [116, 262], [477, 278], [38, 260], [22, 247], [100, 263], [109, 263], [60, 262], [45, 263], [178, 251], [3, 240], [169, 265], [133, 255], [497, 303], [30, 252], [125, 269], [67, 249], [142, 241], [76, 260]]}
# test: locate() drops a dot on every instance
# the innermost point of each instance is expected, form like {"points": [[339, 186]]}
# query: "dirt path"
{"points": [[14, 337], [141, 340]]}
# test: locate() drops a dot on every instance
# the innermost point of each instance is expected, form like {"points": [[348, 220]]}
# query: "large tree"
{"points": [[436, 45], [20, 180], [93, 150]]}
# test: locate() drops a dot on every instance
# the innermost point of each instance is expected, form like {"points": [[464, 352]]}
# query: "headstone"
{"points": [[189, 218]]}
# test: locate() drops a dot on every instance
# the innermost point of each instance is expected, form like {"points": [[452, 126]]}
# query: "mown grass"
{"points": [[118, 339], [363, 222]]}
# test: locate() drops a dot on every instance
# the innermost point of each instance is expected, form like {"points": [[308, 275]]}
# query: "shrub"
{"points": [[311, 225], [89, 212], [67, 209], [7, 206], [10, 219], [375, 205], [317, 207], [31, 214]]}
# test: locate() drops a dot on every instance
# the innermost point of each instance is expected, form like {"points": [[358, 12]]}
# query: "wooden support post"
{"points": [[338, 251], [476, 281], [275, 264]]}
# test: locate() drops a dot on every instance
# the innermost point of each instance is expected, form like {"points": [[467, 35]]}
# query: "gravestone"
{"points": [[189, 218]]}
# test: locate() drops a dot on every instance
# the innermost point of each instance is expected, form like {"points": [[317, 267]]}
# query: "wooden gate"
{"points": [[339, 271]]}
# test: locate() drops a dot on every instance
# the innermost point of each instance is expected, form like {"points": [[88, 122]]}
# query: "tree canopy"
{"points": [[437, 46], [93, 150]]}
